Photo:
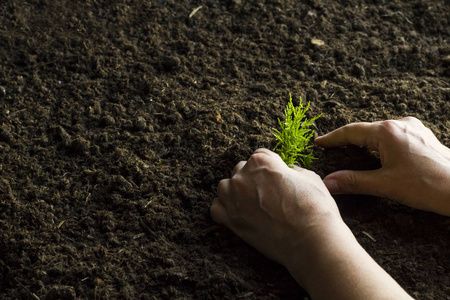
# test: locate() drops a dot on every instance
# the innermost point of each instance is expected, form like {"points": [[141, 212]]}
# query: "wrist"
{"points": [[317, 246], [331, 264]]}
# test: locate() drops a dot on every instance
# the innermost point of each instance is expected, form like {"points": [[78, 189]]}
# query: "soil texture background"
{"points": [[118, 119]]}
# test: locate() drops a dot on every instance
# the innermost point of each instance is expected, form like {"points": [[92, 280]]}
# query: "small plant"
{"points": [[293, 138]]}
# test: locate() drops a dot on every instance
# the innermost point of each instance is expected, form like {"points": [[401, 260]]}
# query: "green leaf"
{"points": [[293, 138]]}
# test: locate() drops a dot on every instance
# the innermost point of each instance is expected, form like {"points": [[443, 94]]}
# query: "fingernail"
{"points": [[331, 185]]}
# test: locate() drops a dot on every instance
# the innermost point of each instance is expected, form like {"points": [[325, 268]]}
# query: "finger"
{"points": [[359, 134], [263, 150], [267, 152], [223, 188], [298, 169], [357, 182], [238, 167], [218, 212]]}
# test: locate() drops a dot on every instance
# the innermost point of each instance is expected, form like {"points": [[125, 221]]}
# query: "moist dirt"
{"points": [[119, 118]]}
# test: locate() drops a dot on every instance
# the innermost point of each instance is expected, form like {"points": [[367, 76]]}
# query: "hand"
{"points": [[289, 216], [415, 165], [273, 207]]}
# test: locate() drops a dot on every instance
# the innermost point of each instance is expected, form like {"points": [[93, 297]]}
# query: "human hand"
{"points": [[289, 216], [415, 165], [273, 207]]}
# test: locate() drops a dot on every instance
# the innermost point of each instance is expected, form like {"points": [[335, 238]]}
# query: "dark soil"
{"points": [[118, 119]]}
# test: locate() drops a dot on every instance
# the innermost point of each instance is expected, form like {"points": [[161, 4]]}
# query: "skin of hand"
{"points": [[260, 204], [289, 216], [415, 165]]}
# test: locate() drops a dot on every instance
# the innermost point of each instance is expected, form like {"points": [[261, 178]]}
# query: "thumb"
{"points": [[355, 182]]}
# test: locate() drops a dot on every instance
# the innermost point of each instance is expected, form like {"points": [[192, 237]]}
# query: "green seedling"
{"points": [[293, 139]]}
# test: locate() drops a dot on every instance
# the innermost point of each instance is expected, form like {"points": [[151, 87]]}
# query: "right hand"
{"points": [[415, 165]]}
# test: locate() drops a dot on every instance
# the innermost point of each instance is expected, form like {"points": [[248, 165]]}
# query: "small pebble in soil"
{"points": [[140, 123], [331, 103], [402, 106], [63, 135], [261, 88], [236, 3], [170, 63], [80, 145], [107, 120], [6, 135], [2, 92], [358, 70], [120, 184], [61, 292]]}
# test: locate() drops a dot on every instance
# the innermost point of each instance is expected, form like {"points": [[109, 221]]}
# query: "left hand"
{"points": [[289, 216], [273, 207]]}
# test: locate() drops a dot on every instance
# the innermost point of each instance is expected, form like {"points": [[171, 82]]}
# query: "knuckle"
{"points": [[238, 167], [389, 128], [219, 213], [347, 128], [214, 212], [394, 129], [351, 183], [311, 174], [388, 124], [411, 120], [317, 176], [415, 123], [227, 192], [222, 186], [259, 159]]}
